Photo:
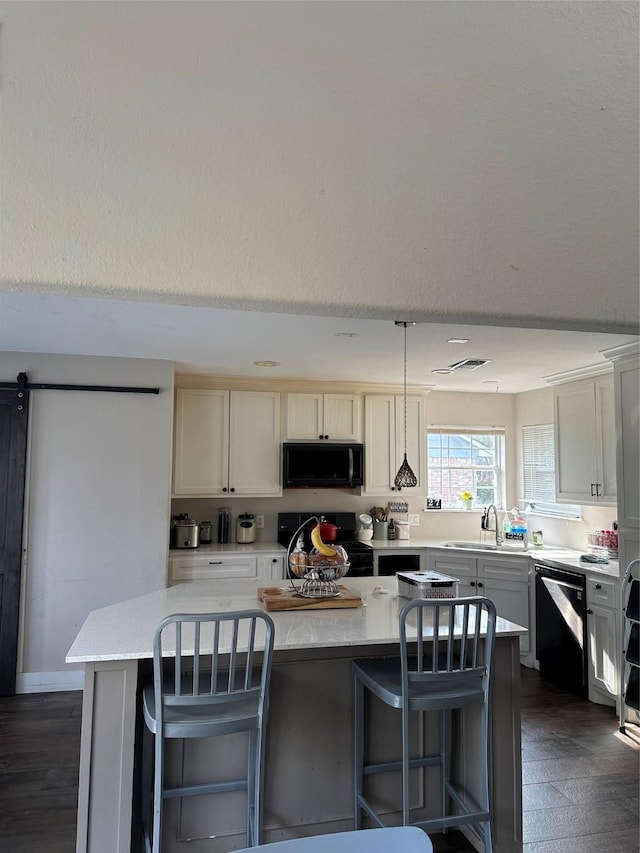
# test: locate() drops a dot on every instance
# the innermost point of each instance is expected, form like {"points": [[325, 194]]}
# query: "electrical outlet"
{"points": [[260, 522], [414, 519]]}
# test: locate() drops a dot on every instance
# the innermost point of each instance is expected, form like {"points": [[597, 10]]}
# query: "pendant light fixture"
{"points": [[405, 478]]}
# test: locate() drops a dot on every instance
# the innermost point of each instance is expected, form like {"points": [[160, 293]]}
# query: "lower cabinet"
{"points": [[505, 580], [603, 640], [266, 566]]}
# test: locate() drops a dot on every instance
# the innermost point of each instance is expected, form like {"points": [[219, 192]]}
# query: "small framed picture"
{"points": [[434, 503]]}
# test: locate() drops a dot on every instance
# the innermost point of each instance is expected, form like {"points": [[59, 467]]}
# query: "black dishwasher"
{"points": [[561, 627]]}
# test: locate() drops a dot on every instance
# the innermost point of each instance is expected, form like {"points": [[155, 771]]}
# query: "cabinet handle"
{"points": [[232, 490], [598, 586], [473, 583], [274, 560], [479, 583], [326, 436], [592, 492], [598, 493], [320, 436], [215, 562], [589, 611], [224, 489]]}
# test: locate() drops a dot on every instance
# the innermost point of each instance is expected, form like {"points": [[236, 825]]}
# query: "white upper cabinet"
{"points": [[384, 442], [627, 385], [323, 416], [585, 442], [226, 443]]}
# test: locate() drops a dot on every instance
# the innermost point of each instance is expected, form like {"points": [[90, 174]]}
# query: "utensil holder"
{"points": [[380, 529]]}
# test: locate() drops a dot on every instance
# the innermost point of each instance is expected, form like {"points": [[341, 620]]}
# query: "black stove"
{"points": [[360, 554]]}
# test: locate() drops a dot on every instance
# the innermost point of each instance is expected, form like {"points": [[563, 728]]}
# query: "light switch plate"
{"points": [[414, 519], [260, 522]]}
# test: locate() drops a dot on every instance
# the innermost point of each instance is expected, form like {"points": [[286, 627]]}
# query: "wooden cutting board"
{"points": [[275, 598]]}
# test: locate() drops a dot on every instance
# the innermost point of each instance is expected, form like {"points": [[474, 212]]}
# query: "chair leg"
{"points": [[485, 804], [146, 785], [158, 775], [255, 786], [358, 749], [405, 767], [445, 755]]}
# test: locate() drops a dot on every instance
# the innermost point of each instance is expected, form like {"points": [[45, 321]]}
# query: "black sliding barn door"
{"points": [[13, 452]]}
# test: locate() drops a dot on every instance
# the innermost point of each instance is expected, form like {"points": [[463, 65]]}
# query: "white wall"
{"points": [[98, 500]]}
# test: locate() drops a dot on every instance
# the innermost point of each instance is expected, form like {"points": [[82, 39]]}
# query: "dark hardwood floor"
{"points": [[580, 776]]}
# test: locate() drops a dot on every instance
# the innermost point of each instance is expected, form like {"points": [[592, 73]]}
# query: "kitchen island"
{"points": [[308, 758]]}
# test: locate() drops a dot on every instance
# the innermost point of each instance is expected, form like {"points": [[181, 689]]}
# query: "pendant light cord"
{"points": [[405, 390]]}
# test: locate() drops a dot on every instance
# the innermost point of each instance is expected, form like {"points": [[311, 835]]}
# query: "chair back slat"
{"points": [[213, 657], [454, 640]]}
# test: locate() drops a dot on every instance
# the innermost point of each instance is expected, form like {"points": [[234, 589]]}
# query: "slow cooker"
{"points": [[185, 532]]}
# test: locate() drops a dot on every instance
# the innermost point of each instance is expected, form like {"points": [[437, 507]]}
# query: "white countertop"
{"points": [[230, 548], [124, 631], [554, 554]]}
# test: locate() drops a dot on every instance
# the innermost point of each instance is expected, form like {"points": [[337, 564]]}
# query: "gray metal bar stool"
{"points": [[207, 682], [450, 669]]}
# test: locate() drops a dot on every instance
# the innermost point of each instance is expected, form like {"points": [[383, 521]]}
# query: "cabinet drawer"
{"points": [[499, 569], [602, 592], [213, 566], [454, 565]]}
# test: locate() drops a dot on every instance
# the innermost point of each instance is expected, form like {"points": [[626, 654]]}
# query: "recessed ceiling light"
{"points": [[266, 363], [442, 370], [346, 334], [489, 381], [458, 341]]}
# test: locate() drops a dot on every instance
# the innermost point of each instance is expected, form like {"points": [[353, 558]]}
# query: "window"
{"points": [[539, 472], [465, 461]]}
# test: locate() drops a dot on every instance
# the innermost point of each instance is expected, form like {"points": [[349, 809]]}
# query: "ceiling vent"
{"points": [[469, 364]]}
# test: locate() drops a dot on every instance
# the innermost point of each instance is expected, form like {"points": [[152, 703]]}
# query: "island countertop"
{"points": [[124, 631]]}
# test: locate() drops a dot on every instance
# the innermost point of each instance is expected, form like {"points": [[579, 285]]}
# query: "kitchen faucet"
{"points": [[484, 524]]}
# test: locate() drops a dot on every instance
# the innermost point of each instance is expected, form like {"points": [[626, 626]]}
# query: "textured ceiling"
{"points": [[446, 161]]}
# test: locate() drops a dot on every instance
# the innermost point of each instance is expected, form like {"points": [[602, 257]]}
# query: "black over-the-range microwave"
{"points": [[322, 464]]}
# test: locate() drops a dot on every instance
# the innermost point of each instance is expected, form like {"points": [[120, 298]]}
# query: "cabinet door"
{"points": [[380, 444], [342, 417], [627, 385], [384, 442], [271, 567], [512, 602], [575, 442], [201, 442], [304, 416], [254, 446], [606, 440], [585, 442], [602, 660], [416, 440]]}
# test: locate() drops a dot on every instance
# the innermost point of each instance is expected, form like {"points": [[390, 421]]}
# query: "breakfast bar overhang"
{"points": [[308, 788]]}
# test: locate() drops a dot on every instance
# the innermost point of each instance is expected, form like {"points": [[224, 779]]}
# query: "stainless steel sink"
{"points": [[486, 546]]}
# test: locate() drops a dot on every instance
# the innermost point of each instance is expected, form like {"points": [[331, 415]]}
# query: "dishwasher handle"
{"points": [[546, 579]]}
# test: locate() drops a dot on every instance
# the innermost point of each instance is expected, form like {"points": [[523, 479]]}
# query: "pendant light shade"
{"points": [[405, 478]]}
